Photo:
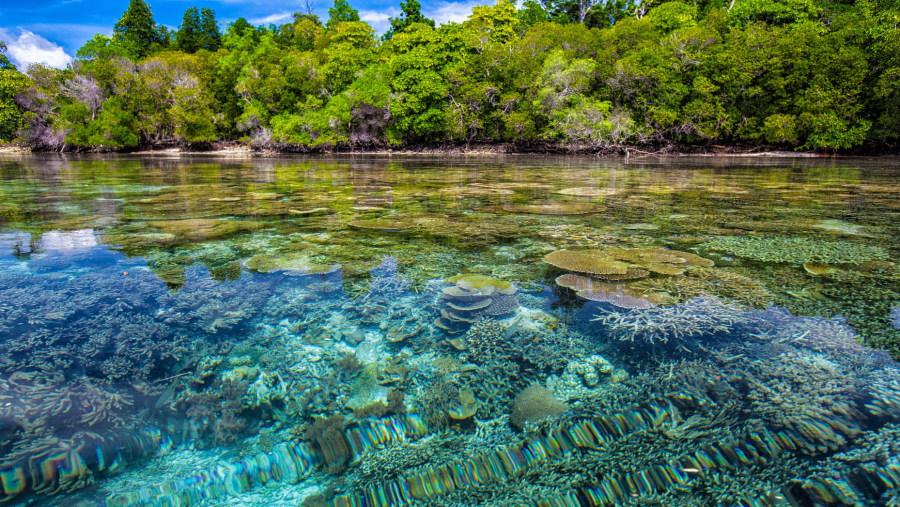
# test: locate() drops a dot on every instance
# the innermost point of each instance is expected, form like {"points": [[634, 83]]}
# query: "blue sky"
{"points": [[50, 31]]}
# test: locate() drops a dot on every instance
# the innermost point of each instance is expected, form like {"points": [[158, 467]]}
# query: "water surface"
{"points": [[492, 331]]}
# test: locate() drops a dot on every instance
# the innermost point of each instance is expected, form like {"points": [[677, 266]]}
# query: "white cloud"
{"points": [[444, 11], [277, 18], [29, 48], [380, 20]]}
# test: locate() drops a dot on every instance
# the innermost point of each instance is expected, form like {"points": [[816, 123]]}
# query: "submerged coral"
{"points": [[533, 404], [796, 250], [695, 318]]}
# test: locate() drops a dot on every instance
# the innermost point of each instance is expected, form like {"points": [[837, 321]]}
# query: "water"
{"points": [[390, 331]]}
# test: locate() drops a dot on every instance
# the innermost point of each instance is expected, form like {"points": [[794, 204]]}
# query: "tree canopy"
{"points": [[811, 74]]}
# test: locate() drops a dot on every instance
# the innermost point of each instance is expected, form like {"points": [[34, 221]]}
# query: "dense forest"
{"points": [[561, 74]]}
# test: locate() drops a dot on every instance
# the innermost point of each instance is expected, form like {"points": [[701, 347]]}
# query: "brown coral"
{"points": [[593, 262], [616, 294], [536, 402]]}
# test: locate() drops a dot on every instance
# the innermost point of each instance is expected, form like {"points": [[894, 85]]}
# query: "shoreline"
{"points": [[243, 150]]}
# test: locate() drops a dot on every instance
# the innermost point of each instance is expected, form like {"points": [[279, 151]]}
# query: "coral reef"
{"points": [[472, 297], [533, 404], [616, 294], [796, 250], [695, 318], [554, 208], [579, 377]]}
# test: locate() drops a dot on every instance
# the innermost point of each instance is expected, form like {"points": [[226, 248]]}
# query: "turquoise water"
{"points": [[468, 331]]}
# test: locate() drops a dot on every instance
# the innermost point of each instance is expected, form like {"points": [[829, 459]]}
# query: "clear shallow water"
{"points": [[199, 332]]}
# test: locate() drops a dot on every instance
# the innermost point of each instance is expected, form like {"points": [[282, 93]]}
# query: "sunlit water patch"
{"points": [[375, 332]]}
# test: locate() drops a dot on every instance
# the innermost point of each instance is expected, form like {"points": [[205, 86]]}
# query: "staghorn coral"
{"points": [[796, 250], [725, 285], [212, 306], [533, 404], [806, 394], [695, 318]]}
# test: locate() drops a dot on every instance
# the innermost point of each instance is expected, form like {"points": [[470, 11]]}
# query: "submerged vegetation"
{"points": [[596, 76]]}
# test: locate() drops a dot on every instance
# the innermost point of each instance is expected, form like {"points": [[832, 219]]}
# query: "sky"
{"points": [[51, 31]]}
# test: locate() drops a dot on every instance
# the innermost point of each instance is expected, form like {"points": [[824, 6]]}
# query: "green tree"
{"points": [[532, 13], [301, 34], [137, 31], [12, 83], [340, 13], [189, 37], [211, 37], [498, 22], [102, 47], [411, 12], [4, 60]]}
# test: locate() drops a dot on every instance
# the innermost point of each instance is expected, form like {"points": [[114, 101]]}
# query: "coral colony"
{"points": [[371, 358]]}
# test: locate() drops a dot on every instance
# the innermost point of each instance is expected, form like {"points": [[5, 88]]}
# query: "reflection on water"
{"points": [[381, 332]]}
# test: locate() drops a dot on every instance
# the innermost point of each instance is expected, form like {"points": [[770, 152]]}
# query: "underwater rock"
{"points": [[464, 407], [533, 404]]}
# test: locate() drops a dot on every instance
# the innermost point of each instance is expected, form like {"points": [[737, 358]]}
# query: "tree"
{"points": [[189, 37], [410, 13], [211, 37], [532, 13], [12, 82], [301, 33], [499, 22], [340, 13], [137, 31], [4, 61]]}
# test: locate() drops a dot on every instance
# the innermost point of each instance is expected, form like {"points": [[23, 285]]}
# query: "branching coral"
{"points": [[796, 250], [697, 317]]}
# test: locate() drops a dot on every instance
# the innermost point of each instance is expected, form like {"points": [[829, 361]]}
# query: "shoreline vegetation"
{"points": [[629, 78], [246, 149]]}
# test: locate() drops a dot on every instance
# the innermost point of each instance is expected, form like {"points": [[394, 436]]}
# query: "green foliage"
{"points": [[775, 12], [498, 22], [188, 38], [340, 13], [101, 47], [5, 64], [673, 16], [411, 13], [532, 13], [12, 83], [137, 32], [198, 30], [808, 74]]}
